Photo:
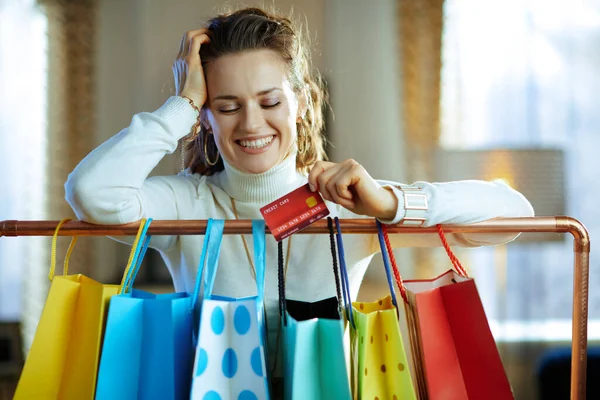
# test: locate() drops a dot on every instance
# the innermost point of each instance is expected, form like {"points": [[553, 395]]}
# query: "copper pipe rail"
{"points": [[557, 224]]}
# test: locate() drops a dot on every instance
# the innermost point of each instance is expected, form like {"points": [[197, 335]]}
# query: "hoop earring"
{"points": [[209, 162]]}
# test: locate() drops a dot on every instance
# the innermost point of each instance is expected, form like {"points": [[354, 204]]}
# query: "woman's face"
{"points": [[251, 109]]}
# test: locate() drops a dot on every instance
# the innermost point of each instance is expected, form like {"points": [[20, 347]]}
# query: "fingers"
{"points": [[184, 46], [193, 55], [339, 186], [334, 181], [188, 63], [317, 169]]}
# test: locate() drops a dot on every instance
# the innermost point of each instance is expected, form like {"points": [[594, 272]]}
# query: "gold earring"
{"points": [[209, 162]]}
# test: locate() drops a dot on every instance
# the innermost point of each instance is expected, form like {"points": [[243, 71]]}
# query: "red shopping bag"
{"points": [[454, 352]]}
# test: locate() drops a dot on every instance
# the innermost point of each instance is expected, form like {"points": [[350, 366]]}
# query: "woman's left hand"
{"points": [[350, 185]]}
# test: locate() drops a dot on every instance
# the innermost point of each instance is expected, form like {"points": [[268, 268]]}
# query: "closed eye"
{"points": [[271, 105], [229, 110]]}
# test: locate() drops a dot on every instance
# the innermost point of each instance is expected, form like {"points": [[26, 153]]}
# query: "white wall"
{"points": [[362, 65]]}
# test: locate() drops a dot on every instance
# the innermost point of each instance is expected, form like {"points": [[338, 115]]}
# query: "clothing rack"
{"points": [[555, 224]]}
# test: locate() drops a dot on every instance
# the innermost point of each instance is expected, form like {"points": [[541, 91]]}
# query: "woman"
{"points": [[253, 116]]}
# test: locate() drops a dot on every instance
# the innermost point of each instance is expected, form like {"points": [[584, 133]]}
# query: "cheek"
{"points": [[286, 121], [220, 125]]}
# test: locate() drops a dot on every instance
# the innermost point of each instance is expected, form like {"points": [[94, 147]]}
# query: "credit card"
{"points": [[294, 212]]}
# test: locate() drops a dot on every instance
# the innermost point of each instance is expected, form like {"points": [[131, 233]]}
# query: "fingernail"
{"points": [[311, 187]]}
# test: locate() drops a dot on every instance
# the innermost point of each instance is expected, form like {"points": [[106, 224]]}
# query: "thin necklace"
{"points": [[252, 268]]}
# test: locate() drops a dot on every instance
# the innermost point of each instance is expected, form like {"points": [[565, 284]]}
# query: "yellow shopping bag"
{"points": [[63, 359], [379, 362]]}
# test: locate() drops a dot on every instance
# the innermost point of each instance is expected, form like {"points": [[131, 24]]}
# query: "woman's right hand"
{"points": [[187, 68]]}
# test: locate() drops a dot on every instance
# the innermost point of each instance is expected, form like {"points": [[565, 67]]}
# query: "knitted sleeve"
{"points": [[460, 202], [111, 185]]}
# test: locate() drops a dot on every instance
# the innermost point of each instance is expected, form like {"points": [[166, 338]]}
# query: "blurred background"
{"points": [[431, 90]]}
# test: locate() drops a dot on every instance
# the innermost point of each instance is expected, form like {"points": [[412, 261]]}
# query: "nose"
{"points": [[252, 119]]}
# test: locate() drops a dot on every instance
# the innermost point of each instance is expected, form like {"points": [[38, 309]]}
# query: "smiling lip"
{"points": [[250, 150]]}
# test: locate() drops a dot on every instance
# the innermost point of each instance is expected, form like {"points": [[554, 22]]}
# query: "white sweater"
{"points": [[111, 186]]}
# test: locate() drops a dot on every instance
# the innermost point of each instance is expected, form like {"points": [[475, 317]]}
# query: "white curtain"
{"points": [[525, 73], [22, 146]]}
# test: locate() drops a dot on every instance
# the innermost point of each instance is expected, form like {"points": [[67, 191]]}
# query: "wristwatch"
{"points": [[415, 205]]}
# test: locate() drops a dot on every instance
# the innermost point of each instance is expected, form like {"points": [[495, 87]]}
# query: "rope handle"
{"points": [[138, 262], [132, 255], [457, 265], [344, 274], [394, 265], [281, 283], [336, 274], [53, 252], [399, 282]]}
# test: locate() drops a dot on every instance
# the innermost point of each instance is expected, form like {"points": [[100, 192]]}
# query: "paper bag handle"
{"points": [[336, 274], [455, 262], [457, 265], [281, 283], [53, 252], [344, 274], [134, 262], [260, 255], [212, 255], [201, 263], [388, 258]]}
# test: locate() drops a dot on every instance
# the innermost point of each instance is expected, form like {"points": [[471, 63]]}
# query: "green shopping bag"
{"points": [[313, 344]]}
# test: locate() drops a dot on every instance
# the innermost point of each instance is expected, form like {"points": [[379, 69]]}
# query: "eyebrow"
{"points": [[231, 97]]}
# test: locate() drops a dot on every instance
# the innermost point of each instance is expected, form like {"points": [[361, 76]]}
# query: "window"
{"points": [[22, 139], [524, 74]]}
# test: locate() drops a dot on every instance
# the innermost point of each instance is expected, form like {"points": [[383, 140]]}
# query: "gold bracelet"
{"points": [[194, 131]]}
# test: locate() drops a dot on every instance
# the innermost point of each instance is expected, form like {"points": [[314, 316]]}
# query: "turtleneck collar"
{"points": [[264, 187]]}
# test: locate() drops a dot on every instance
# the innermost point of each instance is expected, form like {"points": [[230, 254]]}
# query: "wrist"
{"points": [[195, 98], [390, 203]]}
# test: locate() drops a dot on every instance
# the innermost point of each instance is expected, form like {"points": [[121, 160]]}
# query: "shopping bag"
{"points": [[230, 360], [379, 364], [63, 358], [455, 353], [147, 351], [314, 363]]}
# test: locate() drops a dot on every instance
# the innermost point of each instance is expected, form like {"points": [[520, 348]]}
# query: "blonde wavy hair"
{"points": [[255, 28]]}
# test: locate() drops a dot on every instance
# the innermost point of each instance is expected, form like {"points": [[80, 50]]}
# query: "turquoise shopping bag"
{"points": [[230, 356], [148, 347], [314, 366]]}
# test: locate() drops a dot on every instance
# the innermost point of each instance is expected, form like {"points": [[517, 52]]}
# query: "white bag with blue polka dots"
{"points": [[230, 354]]}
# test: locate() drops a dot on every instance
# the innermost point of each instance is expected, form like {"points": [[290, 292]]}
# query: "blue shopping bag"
{"points": [[313, 343], [230, 356], [148, 347]]}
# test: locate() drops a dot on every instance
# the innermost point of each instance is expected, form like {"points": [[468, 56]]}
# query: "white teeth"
{"points": [[256, 144]]}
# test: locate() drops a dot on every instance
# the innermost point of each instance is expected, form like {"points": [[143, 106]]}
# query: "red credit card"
{"points": [[293, 212]]}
